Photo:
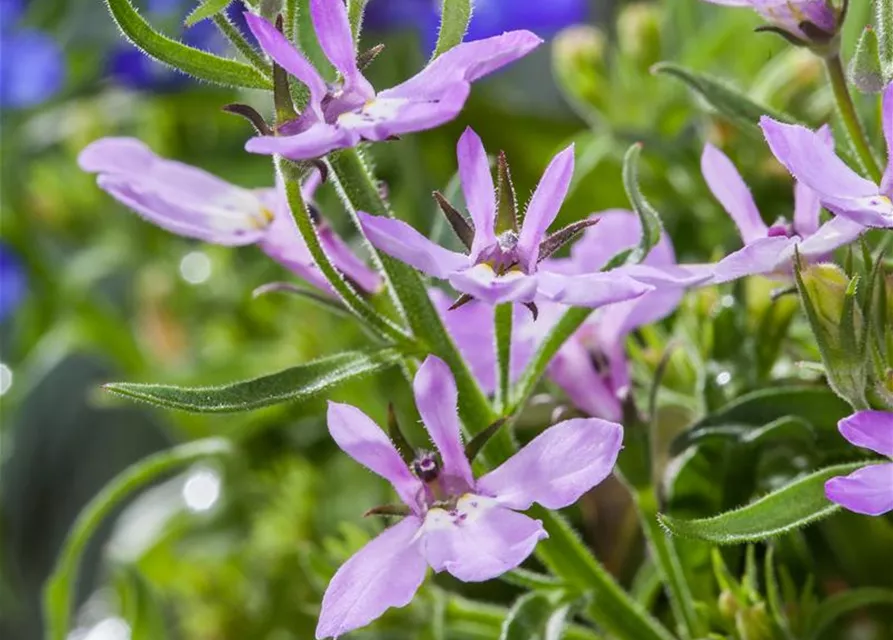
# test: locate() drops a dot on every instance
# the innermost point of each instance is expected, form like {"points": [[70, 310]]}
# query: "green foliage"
{"points": [[648, 217], [454, 18], [205, 10], [536, 616]]}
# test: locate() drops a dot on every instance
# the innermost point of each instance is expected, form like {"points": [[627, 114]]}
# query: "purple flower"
{"points": [[193, 203], [839, 188], [868, 490], [591, 367], [806, 20], [503, 260], [469, 527], [13, 283], [769, 250], [32, 68], [341, 116]]}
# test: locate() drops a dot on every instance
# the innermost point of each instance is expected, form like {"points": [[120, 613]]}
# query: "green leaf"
{"points": [[201, 64], [205, 10], [59, 588], [865, 68], [794, 505], [727, 100], [649, 218], [884, 24], [786, 428], [454, 18], [355, 9], [843, 603], [536, 616], [296, 383]]}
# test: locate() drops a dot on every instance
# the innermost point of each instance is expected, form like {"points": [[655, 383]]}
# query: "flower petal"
{"points": [[401, 241], [437, 399], [868, 490], [734, 195], [589, 290], [807, 156], [482, 283], [346, 261], [288, 57], [466, 62], [477, 185], [336, 40], [617, 230], [471, 328], [762, 256], [363, 440], [807, 205], [573, 370], [385, 573], [544, 206], [835, 233], [615, 321], [479, 540], [887, 119], [869, 429], [315, 142], [558, 466]]}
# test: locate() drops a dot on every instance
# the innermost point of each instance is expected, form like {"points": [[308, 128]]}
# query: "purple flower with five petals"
{"points": [[591, 367], [503, 260], [193, 203], [803, 20], [344, 114], [868, 490], [769, 250], [839, 188], [469, 527]]}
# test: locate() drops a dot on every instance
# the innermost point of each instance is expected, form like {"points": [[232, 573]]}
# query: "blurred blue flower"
{"points": [[32, 67], [13, 284]]}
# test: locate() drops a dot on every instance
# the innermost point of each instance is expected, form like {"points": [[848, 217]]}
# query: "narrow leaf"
{"points": [[536, 616], [297, 383], [205, 10], [59, 589], [865, 68], [201, 64], [795, 505], [355, 9], [729, 101], [474, 446], [884, 24], [648, 217], [843, 603], [454, 18]]}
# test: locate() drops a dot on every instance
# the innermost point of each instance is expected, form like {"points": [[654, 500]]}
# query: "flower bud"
{"points": [[639, 33], [728, 604], [865, 67], [753, 623], [579, 63], [807, 22]]}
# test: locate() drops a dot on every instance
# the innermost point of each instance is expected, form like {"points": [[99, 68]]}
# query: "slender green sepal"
{"points": [[462, 227], [507, 218]]}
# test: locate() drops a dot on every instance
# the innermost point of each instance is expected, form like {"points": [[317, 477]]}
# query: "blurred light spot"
{"points": [[723, 378], [201, 490], [195, 267], [5, 378], [109, 629], [727, 301]]}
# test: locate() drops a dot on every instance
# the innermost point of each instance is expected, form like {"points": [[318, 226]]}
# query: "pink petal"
{"points": [[471, 328], [869, 429], [362, 439], [277, 46], [333, 33], [558, 466], [385, 573], [436, 397], [591, 290], [616, 320], [477, 185], [479, 540], [617, 230], [314, 142], [868, 490], [807, 205], [466, 62], [729, 188], [835, 233], [346, 261], [401, 241], [573, 370], [482, 283], [762, 256], [544, 206]]}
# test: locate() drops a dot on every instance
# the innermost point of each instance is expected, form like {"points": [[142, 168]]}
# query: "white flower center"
{"points": [[375, 110], [467, 509]]}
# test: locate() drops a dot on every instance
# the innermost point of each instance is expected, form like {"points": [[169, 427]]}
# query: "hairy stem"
{"points": [[503, 332], [252, 55]]}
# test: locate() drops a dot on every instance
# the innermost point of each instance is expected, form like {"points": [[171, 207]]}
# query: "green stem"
{"points": [[502, 326], [611, 607], [850, 118], [359, 191], [235, 37], [351, 299], [59, 588]]}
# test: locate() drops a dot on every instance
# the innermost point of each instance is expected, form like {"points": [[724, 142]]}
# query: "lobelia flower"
{"points": [[801, 21], [868, 490], [504, 257], [591, 367], [769, 250], [193, 203], [470, 528], [342, 115], [22, 51], [13, 282], [839, 188]]}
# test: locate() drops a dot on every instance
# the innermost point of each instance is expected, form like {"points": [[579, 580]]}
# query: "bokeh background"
{"points": [[90, 293]]}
